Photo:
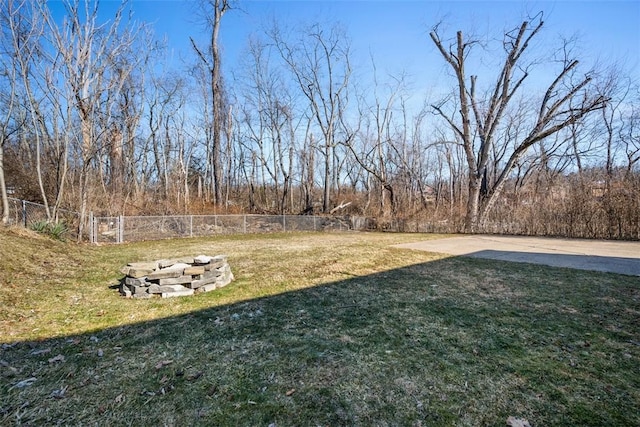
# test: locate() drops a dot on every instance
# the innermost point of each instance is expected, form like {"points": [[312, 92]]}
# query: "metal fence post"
{"points": [[92, 234], [191, 226], [284, 222], [120, 234], [244, 224], [24, 213]]}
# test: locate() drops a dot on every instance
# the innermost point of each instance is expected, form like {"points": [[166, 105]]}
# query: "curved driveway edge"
{"points": [[596, 255]]}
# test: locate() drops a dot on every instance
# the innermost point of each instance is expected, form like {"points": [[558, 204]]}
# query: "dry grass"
{"points": [[318, 329]]}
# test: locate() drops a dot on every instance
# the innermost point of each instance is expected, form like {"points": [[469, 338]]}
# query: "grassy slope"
{"points": [[318, 329]]}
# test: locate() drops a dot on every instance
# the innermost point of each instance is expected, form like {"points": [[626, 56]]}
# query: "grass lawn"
{"points": [[317, 329]]}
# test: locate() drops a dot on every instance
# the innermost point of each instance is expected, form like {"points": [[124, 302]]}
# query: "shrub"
{"points": [[55, 230]]}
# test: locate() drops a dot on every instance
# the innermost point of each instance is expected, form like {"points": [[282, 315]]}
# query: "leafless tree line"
{"points": [[94, 118]]}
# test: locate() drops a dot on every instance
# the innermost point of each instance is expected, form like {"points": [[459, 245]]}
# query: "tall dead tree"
{"points": [[320, 65], [87, 49], [22, 29], [373, 148], [213, 12], [476, 119], [267, 116], [629, 133], [8, 97]]}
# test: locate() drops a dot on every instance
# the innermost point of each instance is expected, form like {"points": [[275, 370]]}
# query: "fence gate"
{"points": [[106, 229]]}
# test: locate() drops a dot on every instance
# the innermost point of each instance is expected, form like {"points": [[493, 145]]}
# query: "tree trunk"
{"points": [[220, 6], [3, 187], [326, 195], [473, 204]]}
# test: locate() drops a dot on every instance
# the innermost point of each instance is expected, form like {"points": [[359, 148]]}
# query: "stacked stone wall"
{"points": [[175, 277]]}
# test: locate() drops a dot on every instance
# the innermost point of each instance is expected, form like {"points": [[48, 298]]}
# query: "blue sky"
{"points": [[396, 32]]}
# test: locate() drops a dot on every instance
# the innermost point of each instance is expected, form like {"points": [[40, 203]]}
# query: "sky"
{"points": [[396, 33]]}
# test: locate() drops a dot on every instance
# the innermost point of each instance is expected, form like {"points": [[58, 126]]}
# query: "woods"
{"points": [[95, 117]]}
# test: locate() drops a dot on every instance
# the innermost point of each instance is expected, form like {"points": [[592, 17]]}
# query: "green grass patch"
{"points": [[317, 329]]}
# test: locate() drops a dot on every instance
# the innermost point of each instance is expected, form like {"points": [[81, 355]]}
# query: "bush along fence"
{"points": [[120, 229], [33, 215]]}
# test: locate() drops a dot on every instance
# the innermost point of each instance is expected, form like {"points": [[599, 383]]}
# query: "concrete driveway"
{"points": [[595, 255]]}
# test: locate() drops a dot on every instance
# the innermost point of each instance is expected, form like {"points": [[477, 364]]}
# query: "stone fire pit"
{"points": [[175, 277]]}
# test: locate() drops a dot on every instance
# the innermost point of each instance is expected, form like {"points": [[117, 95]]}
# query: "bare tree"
{"points": [[377, 139], [8, 97], [620, 119], [211, 58], [307, 166], [127, 111], [478, 119], [629, 133], [269, 122], [88, 50], [24, 26], [321, 67]]}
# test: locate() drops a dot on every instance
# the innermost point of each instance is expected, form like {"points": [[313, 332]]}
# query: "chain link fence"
{"points": [[120, 229], [26, 214], [137, 228]]}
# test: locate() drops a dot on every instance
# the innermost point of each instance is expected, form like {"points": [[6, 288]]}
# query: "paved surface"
{"points": [[595, 255]]}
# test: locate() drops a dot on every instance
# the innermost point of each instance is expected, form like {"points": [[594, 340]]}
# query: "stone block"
{"points": [[149, 265], [125, 291], [207, 288], [226, 276], [171, 288], [215, 264], [154, 288], [224, 281], [179, 266], [176, 280], [204, 281], [194, 271], [202, 259], [184, 293], [164, 263], [211, 273], [164, 274], [142, 281], [137, 290], [136, 273]]}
